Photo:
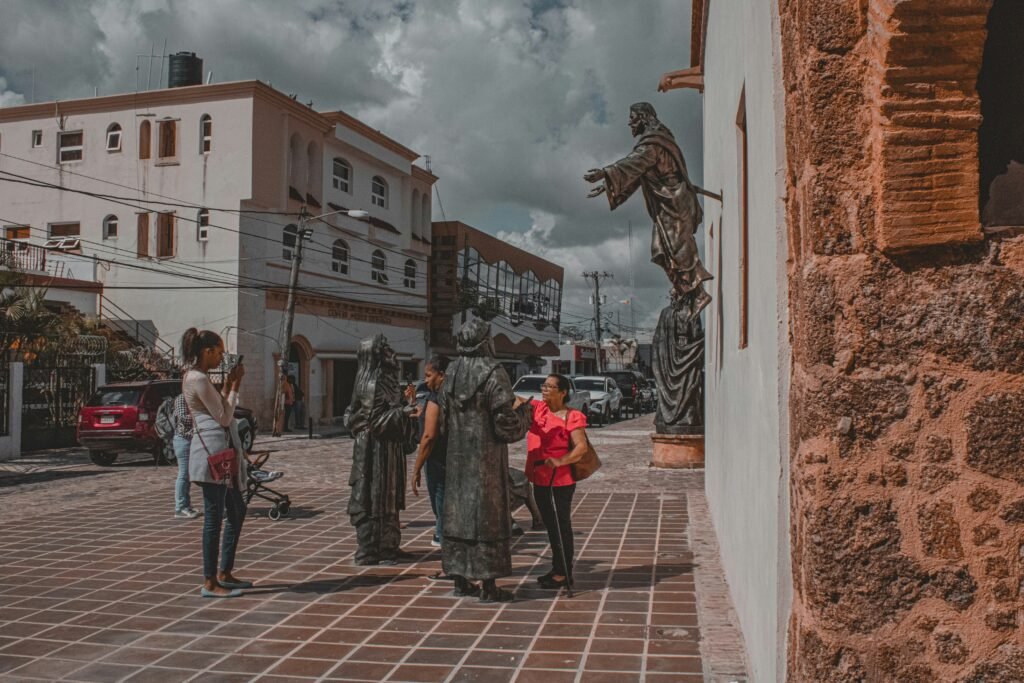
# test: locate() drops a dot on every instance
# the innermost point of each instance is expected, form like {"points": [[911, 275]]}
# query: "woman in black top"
{"points": [[433, 446]]}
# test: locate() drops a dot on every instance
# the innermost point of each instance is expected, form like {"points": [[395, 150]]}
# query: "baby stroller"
{"points": [[257, 477], [256, 485]]}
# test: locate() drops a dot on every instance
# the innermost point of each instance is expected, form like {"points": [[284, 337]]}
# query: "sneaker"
{"points": [[187, 513], [435, 542]]}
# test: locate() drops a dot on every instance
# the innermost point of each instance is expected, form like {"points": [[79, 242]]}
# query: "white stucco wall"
{"points": [[190, 178], [747, 439]]}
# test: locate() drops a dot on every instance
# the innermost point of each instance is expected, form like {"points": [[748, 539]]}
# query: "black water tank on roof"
{"points": [[184, 68]]}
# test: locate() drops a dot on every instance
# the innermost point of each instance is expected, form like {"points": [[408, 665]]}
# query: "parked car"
{"points": [[605, 394], [528, 386], [119, 418], [632, 384]]}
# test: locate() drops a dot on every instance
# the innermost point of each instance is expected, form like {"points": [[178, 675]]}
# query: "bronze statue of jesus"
{"points": [[657, 167]]}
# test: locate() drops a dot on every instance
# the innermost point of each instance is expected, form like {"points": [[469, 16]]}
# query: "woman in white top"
{"points": [[212, 412]]}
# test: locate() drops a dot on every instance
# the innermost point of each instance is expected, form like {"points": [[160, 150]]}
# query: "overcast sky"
{"points": [[513, 100]]}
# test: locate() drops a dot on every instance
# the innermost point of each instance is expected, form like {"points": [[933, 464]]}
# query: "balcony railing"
{"points": [[18, 255]]}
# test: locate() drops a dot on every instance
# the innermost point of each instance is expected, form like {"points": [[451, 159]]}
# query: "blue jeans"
{"points": [[219, 499], [182, 499], [435, 491]]}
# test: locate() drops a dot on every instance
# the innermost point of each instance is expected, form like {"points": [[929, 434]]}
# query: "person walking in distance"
{"points": [[433, 446], [211, 412], [289, 401], [298, 403], [557, 438]]}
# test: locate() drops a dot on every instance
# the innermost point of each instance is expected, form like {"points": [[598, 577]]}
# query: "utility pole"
{"points": [[597, 277], [303, 233], [285, 341]]}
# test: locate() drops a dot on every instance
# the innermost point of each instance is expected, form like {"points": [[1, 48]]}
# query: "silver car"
{"points": [[605, 395]]}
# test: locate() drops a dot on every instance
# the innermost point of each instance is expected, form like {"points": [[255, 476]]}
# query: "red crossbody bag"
{"points": [[223, 464]]}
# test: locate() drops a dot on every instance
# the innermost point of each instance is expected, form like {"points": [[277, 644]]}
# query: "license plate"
{"points": [[107, 420]]}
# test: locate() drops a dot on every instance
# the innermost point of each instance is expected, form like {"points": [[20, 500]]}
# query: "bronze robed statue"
{"points": [[477, 411], [657, 167], [385, 432]]}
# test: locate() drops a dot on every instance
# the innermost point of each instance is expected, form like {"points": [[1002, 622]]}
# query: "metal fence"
{"points": [[5, 399], [51, 400]]}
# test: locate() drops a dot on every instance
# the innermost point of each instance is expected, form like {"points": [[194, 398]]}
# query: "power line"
{"points": [[180, 203]]}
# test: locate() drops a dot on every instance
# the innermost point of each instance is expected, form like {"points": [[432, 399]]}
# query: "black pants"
{"points": [[287, 418], [562, 508], [219, 499]]}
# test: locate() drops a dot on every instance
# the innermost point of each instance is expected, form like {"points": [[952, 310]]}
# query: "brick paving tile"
{"points": [[102, 672], [51, 669], [117, 597], [419, 673]]}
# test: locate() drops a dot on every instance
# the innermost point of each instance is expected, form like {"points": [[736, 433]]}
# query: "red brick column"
{"points": [[907, 393]]}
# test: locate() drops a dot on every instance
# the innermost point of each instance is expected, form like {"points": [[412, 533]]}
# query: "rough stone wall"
{"points": [[907, 393]]}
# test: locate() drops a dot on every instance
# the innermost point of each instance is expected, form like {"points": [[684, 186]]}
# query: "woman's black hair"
{"points": [[194, 341], [563, 382], [439, 363]]}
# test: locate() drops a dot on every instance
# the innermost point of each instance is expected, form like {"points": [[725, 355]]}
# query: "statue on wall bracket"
{"points": [[657, 167]]}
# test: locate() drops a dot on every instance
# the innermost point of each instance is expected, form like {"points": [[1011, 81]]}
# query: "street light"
{"points": [[284, 343]]}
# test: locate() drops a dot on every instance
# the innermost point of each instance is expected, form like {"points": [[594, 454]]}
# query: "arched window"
{"points": [[110, 227], [296, 164], [379, 192], [415, 213], [410, 275], [205, 134], [290, 239], [145, 136], [313, 170], [114, 137], [342, 175], [379, 267], [339, 257], [203, 225]]}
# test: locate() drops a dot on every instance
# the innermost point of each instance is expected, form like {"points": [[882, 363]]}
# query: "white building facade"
{"points": [[189, 200], [736, 61]]}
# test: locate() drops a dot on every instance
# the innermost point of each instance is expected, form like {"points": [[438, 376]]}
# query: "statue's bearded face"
{"points": [[637, 123]]}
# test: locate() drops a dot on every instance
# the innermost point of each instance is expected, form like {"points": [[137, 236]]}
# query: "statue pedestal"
{"points": [[678, 451]]}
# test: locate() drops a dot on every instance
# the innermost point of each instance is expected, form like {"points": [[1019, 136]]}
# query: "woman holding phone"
{"points": [[212, 411]]}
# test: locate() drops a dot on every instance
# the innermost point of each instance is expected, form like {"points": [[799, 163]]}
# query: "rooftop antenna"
{"points": [[160, 76], [152, 56], [33, 85], [209, 78]]}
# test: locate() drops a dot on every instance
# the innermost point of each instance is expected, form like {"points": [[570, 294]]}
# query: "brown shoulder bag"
{"points": [[587, 465]]}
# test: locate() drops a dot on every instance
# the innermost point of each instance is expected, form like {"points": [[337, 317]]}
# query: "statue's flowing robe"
{"points": [[476, 405], [384, 435], [679, 370], [656, 165]]}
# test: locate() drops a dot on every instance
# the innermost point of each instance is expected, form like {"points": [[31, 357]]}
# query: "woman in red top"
{"points": [[556, 439]]}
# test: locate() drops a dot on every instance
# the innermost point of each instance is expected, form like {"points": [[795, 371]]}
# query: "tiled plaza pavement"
{"points": [[99, 583]]}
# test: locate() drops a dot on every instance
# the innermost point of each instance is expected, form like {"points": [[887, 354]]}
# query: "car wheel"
{"points": [[102, 458]]}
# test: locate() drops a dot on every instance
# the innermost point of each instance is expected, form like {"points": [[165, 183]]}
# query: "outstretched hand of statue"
{"points": [[597, 191]]}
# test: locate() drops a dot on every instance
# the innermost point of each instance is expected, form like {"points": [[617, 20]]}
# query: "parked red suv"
{"points": [[119, 418]]}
